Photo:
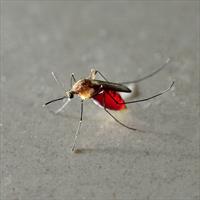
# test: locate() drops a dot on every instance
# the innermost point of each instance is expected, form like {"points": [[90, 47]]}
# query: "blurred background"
{"points": [[124, 40]]}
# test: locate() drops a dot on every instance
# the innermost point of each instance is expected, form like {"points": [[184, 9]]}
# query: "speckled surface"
{"points": [[123, 41]]}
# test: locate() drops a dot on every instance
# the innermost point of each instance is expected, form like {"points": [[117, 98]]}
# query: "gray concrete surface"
{"points": [[123, 40]]}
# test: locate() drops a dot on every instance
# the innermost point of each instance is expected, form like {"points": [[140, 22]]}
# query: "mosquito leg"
{"points": [[101, 75], [151, 74], [119, 122], [145, 99], [72, 79], [134, 129], [79, 126]]}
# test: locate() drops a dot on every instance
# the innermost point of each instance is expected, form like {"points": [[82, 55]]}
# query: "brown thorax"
{"points": [[84, 87]]}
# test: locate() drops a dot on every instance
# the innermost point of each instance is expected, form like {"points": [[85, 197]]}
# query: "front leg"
{"points": [[79, 126]]}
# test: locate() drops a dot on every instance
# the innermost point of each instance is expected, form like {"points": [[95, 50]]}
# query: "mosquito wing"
{"points": [[109, 86]]}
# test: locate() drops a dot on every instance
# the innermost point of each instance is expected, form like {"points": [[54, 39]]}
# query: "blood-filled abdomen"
{"points": [[111, 100]]}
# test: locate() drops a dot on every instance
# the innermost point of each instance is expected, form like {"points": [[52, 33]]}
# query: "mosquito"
{"points": [[104, 93]]}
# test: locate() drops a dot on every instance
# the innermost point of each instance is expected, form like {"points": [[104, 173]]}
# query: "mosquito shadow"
{"points": [[108, 150]]}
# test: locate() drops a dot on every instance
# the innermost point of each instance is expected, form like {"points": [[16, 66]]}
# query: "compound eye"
{"points": [[71, 95]]}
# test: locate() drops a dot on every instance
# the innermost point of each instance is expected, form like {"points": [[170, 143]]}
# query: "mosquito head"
{"points": [[70, 94]]}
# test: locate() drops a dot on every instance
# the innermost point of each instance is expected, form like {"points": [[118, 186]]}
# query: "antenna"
{"points": [[58, 81]]}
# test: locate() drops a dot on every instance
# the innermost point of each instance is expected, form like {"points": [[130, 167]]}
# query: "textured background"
{"points": [[124, 40]]}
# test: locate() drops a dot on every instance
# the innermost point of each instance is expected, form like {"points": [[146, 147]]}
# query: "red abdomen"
{"points": [[112, 100]]}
